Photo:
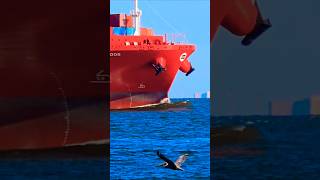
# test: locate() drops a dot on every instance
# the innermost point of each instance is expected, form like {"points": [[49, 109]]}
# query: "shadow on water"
{"points": [[100, 151], [172, 106], [236, 140]]}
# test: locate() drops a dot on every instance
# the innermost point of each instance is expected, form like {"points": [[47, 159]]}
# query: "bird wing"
{"points": [[181, 160], [164, 158]]}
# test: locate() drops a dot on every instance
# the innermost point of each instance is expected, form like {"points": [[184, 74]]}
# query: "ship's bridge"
{"points": [[123, 25], [123, 36]]}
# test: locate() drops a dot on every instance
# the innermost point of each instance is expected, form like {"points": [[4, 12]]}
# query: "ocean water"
{"points": [[137, 135], [53, 169], [70, 163], [266, 148]]}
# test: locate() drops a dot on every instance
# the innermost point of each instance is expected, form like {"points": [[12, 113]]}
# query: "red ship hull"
{"points": [[143, 66], [239, 16], [48, 60], [133, 80]]}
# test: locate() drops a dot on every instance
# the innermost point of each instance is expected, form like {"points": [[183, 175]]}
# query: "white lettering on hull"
{"points": [[101, 77], [114, 54]]}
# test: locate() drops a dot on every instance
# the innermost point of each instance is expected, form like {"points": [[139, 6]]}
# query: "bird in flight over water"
{"points": [[173, 165]]}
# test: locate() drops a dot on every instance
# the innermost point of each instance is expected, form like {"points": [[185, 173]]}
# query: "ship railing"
{"points": [[175, 38]]}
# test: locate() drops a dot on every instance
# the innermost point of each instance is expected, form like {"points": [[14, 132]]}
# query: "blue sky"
{"points": [[191, 18]]}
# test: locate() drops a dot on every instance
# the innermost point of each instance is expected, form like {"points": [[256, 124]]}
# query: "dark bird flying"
{"points": [[173, 165]]}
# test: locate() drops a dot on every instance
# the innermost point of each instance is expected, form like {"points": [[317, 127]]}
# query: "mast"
{"points": [[136, 14]]}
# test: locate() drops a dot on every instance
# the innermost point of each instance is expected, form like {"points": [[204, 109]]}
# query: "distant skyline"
{"points": [[191, 18]]}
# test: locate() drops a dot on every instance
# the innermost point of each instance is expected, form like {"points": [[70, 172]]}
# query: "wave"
{"points": [[180, 105]]}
